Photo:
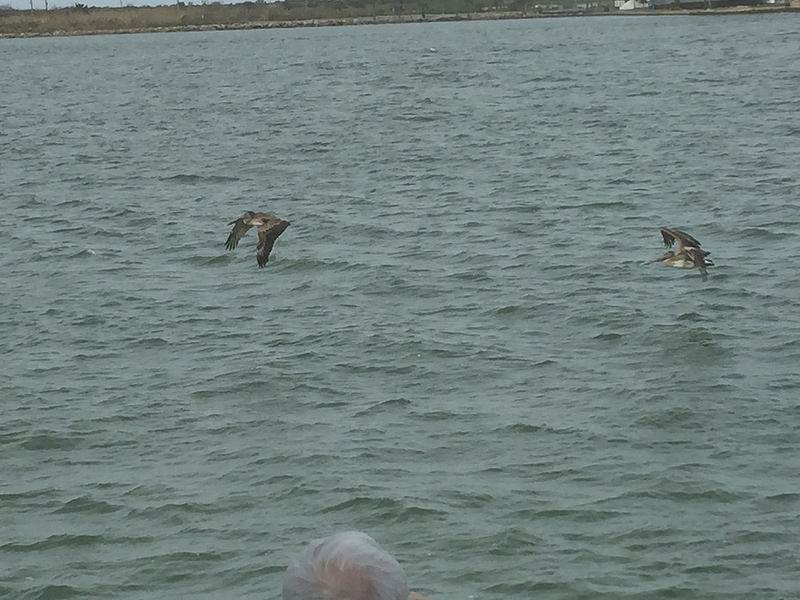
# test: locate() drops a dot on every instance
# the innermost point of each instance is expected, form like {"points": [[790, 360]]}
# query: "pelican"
{"points": [[269, 228], [689, 254]]}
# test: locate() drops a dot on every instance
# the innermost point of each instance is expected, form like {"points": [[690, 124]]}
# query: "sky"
{"points": [[39, 4]]}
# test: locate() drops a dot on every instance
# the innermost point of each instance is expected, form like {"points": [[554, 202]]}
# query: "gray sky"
{"points": [[39, 4]]}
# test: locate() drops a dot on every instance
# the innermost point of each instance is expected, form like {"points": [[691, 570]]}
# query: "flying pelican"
{"points": [[269, 228], [689, 254]]}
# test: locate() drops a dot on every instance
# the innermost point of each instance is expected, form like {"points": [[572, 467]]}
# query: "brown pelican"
{"points": [[689, 254], [269, 228]]}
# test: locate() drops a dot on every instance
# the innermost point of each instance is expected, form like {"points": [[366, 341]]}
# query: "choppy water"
{"points": [[454, 347]]}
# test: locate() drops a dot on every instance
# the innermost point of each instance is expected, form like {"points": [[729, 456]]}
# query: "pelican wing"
{"points": [[683, 238], [698, 258], [240, 227], [266, 240]]}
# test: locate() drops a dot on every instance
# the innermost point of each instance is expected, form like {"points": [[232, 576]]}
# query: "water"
{"points": [[454, 347]]}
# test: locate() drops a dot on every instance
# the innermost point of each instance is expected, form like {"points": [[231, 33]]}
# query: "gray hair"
{"points": [[348, 565]]}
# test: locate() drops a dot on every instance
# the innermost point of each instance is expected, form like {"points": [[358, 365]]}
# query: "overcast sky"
{"points": [[39, 4]]}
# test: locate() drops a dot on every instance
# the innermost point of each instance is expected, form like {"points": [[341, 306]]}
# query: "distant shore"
{"points": [[74, 22]]}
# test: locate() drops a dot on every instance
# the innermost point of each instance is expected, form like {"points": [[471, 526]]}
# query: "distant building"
{"points": [[631, 4]]}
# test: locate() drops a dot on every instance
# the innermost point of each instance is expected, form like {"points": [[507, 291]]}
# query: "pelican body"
{"points": [[269, 227], [689, 254]]}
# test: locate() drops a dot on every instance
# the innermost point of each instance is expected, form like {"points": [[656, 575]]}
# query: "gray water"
{"points": [[454, 347]]}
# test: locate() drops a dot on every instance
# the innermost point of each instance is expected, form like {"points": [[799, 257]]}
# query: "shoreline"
{"points": [[402, 19]]}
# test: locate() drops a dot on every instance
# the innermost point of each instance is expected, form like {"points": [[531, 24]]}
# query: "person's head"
{"points": [[344, 566]]}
